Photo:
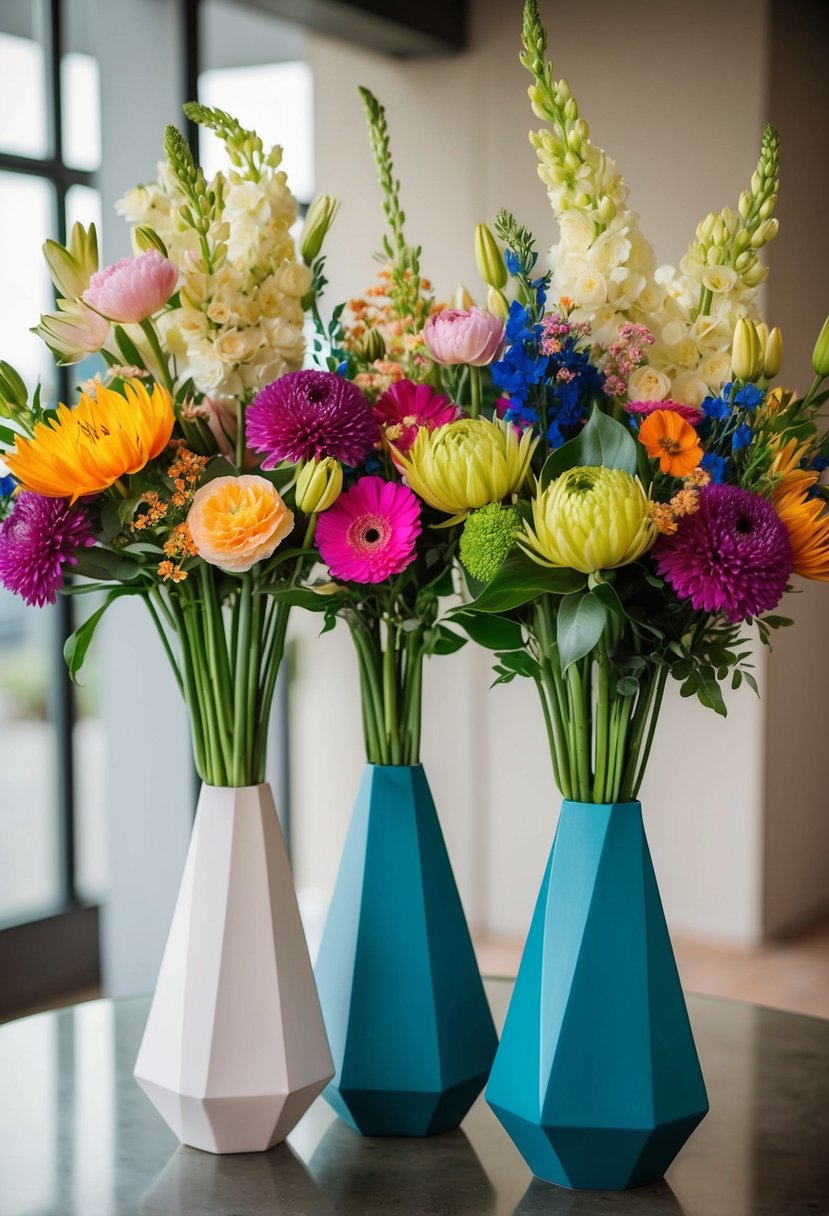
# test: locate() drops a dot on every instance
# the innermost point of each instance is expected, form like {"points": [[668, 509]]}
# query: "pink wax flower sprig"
{"points": [[624, 356], [370, 532], [557, 328], [405, 407]]}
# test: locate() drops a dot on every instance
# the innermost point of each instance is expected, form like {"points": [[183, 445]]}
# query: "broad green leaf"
{"points": [[519, 581], [445, 641], [105, 566], [604, 441], [130, 352], [76, 646], [494, 632], [568, 456], [579, 626], [519, 661], [303, 597]]}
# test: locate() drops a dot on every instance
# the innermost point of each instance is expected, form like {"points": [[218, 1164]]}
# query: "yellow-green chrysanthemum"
{"points": [[86, 449], [589, 519], [467, 464]]}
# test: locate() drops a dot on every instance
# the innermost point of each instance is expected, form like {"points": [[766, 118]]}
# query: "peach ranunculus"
{"points": [[238, 521]]}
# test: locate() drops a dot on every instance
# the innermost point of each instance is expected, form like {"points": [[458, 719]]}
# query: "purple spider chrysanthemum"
{"points": [[732, 556], [37, 540], [310, 414]]}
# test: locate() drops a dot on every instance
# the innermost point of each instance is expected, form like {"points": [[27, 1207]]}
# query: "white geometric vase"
{"points": [[235, 1051]]}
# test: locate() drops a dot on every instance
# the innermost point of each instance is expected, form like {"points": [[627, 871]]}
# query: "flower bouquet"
{"points": [[410, 1028], [168, 479], [672, 494]]}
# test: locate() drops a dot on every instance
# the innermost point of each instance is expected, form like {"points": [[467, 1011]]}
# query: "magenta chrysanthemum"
{"points": [[406, 406], [37, 540], [643, 409], [370, 532], [732, 556], [307, 415]]}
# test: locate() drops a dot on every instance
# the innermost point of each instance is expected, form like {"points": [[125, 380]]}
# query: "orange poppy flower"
{"points": [[668, 438]]}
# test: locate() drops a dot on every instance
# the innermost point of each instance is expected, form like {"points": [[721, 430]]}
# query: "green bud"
{"points": [[72, 267], [144, 238], [319, 219], [373, 346], [488, 537], [318, 485], [489, 259], [746, 352], [820, 355], [607, 209], [13, 396]]}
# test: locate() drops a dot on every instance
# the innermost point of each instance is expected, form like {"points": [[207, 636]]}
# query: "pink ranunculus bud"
{"points": [[473, 337], [133, 289]]}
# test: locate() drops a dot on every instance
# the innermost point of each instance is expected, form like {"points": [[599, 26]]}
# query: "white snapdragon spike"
{"points": [[604, 264], [239, 321]]}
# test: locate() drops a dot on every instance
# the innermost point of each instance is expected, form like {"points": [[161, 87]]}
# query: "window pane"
{"points": [[81, 95], [276, 100], [24, 126], [28, 798], [26, 219]]}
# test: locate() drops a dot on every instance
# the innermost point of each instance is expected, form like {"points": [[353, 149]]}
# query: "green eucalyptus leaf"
{"points": [[580, 624]]}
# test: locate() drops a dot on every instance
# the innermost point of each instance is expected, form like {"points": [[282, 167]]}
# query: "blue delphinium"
{"points": [[714, 466], [8, 485], [741, 438], [717, 408]]}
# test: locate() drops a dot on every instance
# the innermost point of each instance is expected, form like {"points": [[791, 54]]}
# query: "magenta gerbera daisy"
{"points": [[370, 532], [310, 414], [406, 406], [38, 539], [732, 556], [642, 409]]}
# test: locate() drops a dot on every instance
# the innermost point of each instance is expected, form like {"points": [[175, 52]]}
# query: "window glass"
{"points": [[24, 127], [80, 93]]}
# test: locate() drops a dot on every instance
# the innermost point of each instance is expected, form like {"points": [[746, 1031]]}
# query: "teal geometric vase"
{"points": [[408, 1022], [596, 1078]]}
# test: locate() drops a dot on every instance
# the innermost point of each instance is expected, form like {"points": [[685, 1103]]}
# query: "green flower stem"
{"points": [[165, 641], [814, 388], [274, 651], [555, 694], [240, 684], [640, 719], [662, 679], [474, 391], [190, 692], [155, 347], [218, 665], [369, 668], [252, 676], [582, 736], [602, 725], [390, 693], [240, 433], [194, 643], [551, 737]]}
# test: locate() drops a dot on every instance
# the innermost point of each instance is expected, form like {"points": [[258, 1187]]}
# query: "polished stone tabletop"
{"points": [[78, 1138]]}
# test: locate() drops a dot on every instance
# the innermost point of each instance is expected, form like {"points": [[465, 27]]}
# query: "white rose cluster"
{"points": [[239, 320], [606, 267]]}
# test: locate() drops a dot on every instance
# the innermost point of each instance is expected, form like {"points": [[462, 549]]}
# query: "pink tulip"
{"points": [[473, 337], [133, 289]]}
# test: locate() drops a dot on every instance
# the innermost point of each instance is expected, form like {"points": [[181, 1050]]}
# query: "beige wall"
{"points": [[679, 96]]}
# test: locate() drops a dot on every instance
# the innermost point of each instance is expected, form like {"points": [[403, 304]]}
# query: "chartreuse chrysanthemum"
{"points": [[488, 537], [589, 519], [86, 449], [467, 464]]}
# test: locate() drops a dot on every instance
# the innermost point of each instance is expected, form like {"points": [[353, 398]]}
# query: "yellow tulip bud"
{"points": [[496, 303], [318, 220], [820, 355], [490, 260], [318, 485], [773, 353], [462, 299]]}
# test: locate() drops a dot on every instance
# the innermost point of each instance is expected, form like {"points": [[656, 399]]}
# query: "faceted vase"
{"points": [[234, 1050], [410, 1029], [596, 1078]]}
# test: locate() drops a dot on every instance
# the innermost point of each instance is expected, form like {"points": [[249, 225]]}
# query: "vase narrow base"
{"points": [[414, 1113]]}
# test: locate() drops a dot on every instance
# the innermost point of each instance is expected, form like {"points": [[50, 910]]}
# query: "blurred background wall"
{"points": [[736, 808]]}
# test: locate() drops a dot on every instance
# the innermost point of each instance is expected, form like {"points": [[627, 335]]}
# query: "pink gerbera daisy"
{"points": [[643, 409], [370, 532], [405, 407]]}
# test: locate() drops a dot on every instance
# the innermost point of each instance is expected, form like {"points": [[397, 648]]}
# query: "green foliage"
{"points": [[520, 581], [76, 646], [604, 441], [580, 624]]}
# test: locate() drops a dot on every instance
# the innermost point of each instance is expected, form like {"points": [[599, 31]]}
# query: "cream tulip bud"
{"points": [[462, 300], [820, 355], [773, 353], [318, 220], [72, 266], [318, 485], [496, 303], [746, 354], [489, 259]]}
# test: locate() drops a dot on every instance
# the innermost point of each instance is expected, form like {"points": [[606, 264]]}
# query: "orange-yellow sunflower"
{"points": [[84, 450], [668, 438], [807, 520]]}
